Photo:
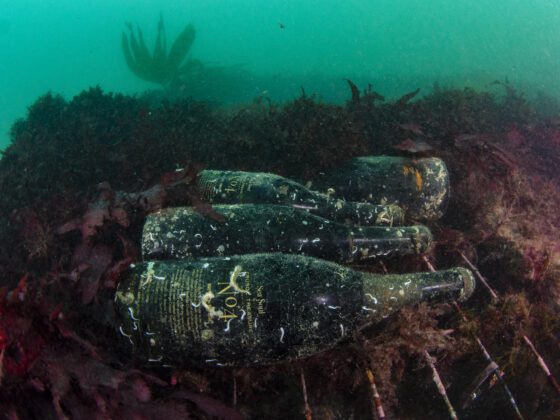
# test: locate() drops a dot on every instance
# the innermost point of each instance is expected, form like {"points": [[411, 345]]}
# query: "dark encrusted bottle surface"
{"points": [[182, 232], [419, 186], [261, 308], [236, 187]]}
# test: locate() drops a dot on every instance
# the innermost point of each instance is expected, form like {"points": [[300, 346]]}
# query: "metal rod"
{"points": [[479, 276], [308, 412], [497, 375], [543, 364], [378, 407], [440, 386], [482, 347], [234, 390], [540, 360]]}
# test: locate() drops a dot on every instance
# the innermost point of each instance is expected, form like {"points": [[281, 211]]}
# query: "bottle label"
{"points": [[228, 186], [251, 309], [197, 304]]}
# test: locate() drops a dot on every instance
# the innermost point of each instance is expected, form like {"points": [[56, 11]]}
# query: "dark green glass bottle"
{"points": [[261, 308], [419, 186], [175, 233], [235, 187]]}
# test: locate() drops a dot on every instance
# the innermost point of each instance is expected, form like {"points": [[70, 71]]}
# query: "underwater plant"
{"points": [[69, 232], [160, 66]]}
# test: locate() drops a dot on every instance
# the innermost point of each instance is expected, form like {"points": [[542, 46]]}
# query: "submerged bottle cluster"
{"points": [[256, 288]]}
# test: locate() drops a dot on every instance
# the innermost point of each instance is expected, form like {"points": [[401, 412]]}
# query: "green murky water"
{"points": [[277, 47]]}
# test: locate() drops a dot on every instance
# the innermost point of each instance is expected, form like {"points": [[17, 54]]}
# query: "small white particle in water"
{"points": [[281, 334]]}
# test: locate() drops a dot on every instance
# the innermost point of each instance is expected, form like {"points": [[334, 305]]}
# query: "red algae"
{"points": [[101, 162]]}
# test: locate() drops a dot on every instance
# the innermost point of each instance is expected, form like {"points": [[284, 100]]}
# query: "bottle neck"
{"points": [[385, 294], [360, 244]]}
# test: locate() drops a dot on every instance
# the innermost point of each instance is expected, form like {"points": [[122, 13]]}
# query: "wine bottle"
{"points": [[236, 187], [419, 186], [261, 308], [182, 232]]}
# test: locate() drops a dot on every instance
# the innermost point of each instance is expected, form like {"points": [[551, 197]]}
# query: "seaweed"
{"points": [[160, 66], [81, 174]]}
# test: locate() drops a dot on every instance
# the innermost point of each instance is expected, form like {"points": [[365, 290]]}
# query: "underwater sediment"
{"points": [[81, 175]]}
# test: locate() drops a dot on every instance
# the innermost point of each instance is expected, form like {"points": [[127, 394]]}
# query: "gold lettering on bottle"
{"points": [[227, 314], [261, 301], [226, 290], [283, 189], [261, 307], [232, 185], [248, 306], [206, 303], [226, 301], [208, 186], [231, 288], [194, 290], [214, 185], [231, 302]]}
